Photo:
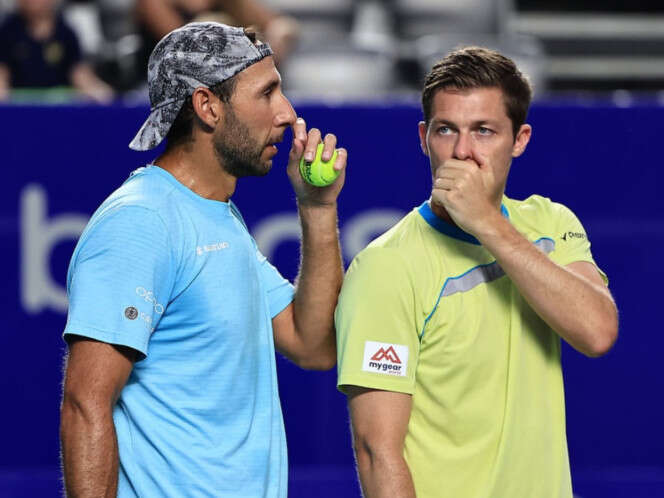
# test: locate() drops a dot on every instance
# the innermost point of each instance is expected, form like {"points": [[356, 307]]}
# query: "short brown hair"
{"points": [[478, 67]]}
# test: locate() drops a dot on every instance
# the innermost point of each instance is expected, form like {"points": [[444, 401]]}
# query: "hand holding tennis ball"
{"points": [[318, 172]]}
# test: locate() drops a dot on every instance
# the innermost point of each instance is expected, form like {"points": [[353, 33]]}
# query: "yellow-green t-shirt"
{"points": [[426, 310]]}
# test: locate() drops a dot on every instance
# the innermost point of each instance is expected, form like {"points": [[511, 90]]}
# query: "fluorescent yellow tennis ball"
{"points": [[318, 172]]}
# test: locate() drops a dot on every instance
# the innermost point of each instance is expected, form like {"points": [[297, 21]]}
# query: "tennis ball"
{"points": [[318, 172]]}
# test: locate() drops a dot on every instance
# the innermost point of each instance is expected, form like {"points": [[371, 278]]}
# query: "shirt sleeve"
{"points": [[572, 242], [120, 278], [280, 291], [377, 339]]}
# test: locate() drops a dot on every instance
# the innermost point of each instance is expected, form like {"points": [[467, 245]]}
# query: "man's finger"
{"points": [[300, 130], [296, 150], [342, 158], [450, 172], [312, 142], [453, 165], [444, 183], [330, 142], [480, 160]]}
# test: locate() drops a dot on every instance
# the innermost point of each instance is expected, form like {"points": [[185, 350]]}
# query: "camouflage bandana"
{"points": [[199, 54]]}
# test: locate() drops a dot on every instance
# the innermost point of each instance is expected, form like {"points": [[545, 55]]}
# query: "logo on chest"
{"points": [[211, 248], [573, 235], [384, 358]]}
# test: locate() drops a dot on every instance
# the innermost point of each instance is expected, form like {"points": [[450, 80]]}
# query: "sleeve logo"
{"points": [[384, 358]]}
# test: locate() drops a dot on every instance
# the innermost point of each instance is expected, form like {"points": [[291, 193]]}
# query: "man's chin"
{"points": [[256, 169]]}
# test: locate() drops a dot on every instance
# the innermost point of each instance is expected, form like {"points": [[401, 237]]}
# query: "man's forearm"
{"points": [[89, 453], [319, 280], [385, 477], [85, 81], [580, 311], [4, 82]]}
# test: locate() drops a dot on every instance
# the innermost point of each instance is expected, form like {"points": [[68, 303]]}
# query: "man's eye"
{"points": [[484, 131], [444, 130]]}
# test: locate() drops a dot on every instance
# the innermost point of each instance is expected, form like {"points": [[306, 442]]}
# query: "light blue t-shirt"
{"points": [[178, 278]]}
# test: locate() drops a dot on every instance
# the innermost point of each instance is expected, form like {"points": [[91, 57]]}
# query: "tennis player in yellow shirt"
{"points": [[449, 324]]}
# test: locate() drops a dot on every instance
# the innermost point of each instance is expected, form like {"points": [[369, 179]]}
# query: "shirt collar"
{"points": [[448, 229]]}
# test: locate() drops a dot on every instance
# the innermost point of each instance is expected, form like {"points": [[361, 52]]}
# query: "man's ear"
{"points": [[422, 130], [521, 140], [207, 106]]}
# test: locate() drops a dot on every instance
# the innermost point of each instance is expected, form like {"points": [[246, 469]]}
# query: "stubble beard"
{"points": [[238, 153]]}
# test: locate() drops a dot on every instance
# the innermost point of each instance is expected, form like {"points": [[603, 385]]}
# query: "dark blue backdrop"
{"points": [[603, 161]]}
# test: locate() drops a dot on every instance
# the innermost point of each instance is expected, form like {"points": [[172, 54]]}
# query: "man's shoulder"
{"points": [[539, 217], [11, 25], [398, 235], [142, 193], [535, 207], [395, 249], [145, 187]]}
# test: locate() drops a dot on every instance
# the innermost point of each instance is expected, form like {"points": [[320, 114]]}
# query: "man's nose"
{"points": [[462, 147], [285, 115]]}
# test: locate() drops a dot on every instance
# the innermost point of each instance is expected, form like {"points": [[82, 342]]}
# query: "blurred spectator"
{"points": [[158, 17], [39, 50]]}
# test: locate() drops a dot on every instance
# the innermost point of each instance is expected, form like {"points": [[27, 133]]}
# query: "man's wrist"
{"points": [[495, 226], [309, 205]]}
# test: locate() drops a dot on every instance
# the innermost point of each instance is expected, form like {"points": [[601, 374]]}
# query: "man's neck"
{"points": [[198, 170], [442, 213], [41, 27]]}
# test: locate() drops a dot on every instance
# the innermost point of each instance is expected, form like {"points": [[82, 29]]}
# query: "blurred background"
{"points": [[73, 94]]}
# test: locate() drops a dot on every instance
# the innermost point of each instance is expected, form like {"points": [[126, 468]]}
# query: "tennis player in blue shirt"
{"points": [[174, 314]]}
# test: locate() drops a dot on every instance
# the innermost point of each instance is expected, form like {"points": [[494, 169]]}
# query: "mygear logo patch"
{"points": [[384, 358]]}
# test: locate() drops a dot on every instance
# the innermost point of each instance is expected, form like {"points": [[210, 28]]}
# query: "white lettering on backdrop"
{"points": [[40, 234]]}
